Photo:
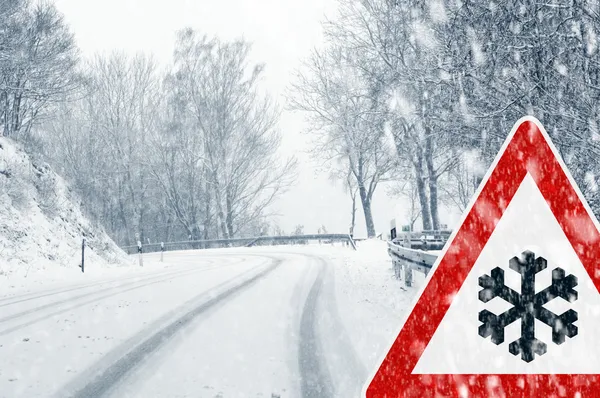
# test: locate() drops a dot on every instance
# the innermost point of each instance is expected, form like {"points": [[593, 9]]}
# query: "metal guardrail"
{"points": [[327, 238], [405, 260], [409, 252], [424, 240], [240, 242], [413, 256]]}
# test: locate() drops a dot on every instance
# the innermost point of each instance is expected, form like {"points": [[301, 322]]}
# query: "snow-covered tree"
{"points": [[38, 58], [347, 121]]}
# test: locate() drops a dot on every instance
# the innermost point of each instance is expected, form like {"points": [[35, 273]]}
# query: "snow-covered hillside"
{"points": [[41, 221]]}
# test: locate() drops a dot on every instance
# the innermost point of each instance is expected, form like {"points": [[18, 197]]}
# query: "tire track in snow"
{"points": [[141, 279], [111, 291], [315, 381], [52, 292], [115, 366], [19, 298], [348, 372]]}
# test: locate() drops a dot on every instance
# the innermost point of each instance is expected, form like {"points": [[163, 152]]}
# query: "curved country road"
{"points": [[250, 323]]}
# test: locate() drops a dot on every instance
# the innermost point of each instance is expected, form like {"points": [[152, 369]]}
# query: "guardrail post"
{"points": [[397, 270], [162, 249], [408, 276], [82, 266], [140, 253]]}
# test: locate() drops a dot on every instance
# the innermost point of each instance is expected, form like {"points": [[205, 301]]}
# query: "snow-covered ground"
{"points": [[371, 301], [246, 348], [295, 321], [42, 223]]}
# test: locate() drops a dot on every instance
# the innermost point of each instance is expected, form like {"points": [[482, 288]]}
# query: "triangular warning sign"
{"points": [[512, 305]]}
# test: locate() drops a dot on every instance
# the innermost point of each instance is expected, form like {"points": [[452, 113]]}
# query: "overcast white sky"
{"points": [[282, 31]]}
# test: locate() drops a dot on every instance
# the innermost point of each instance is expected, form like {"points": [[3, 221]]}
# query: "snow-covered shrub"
{"points": [[13, 181], [45, 184]]}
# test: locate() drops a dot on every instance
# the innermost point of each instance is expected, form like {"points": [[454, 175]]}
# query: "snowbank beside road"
{"points": [[371, 302], [42, 224]]}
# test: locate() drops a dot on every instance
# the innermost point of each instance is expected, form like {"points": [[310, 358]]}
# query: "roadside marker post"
{"points": [[82, 266]]}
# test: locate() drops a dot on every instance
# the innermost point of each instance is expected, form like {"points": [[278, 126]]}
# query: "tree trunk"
{"points": [[123, 215], [420, 179], [433, 191], [16, 113], [141, 224], [219, 204], [353, 222], [4, 112], [229, 215], [168, 227], [366, 204], [207, 212]]}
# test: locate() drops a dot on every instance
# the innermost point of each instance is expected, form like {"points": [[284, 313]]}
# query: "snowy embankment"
{"points": [[371, 302], [42, 225]]}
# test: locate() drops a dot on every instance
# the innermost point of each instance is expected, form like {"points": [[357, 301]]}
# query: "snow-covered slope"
{"points": [[41, 221]]}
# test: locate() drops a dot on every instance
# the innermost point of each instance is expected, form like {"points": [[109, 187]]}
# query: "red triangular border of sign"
{"points": [[527, 149]]}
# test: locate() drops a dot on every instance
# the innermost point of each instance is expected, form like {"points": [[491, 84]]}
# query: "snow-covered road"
{"points": [[255, 322]]}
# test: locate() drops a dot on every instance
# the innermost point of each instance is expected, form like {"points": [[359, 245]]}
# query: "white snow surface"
{"points": [[372, 303], [42, 224], [56, 337]]}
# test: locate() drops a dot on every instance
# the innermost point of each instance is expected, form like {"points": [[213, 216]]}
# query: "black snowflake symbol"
{"points": [[528, 306]]}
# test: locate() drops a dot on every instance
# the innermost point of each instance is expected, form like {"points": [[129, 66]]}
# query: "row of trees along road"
{"points": [[186, 152], [424, 92], [419, 92]]}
